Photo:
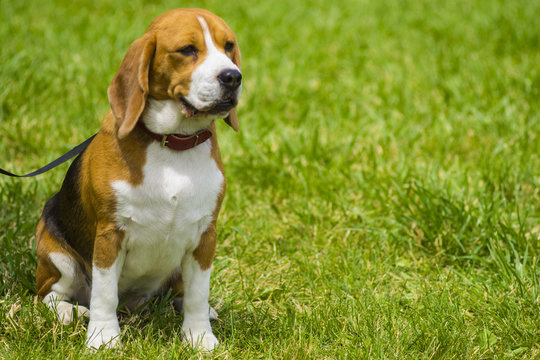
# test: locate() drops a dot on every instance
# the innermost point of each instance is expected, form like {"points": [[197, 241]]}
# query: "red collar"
{"points": [[178, 142]]}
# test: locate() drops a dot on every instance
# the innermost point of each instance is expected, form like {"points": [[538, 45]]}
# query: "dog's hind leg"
{"points": [[62, 291], [59, 278]]}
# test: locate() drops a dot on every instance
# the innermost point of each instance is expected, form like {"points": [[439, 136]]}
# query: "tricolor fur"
{"points": [[134, 218]]}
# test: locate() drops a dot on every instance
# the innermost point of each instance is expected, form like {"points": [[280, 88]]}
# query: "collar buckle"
{"points": [[164, 141]]}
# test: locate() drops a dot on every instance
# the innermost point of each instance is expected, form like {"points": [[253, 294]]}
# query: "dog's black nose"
{"points": [[231, 78]]}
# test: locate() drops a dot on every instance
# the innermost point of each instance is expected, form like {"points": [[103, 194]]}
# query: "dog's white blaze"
{"points": [[205, 89]]}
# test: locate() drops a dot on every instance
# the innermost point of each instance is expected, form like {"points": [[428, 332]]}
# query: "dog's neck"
{"points": [[166, 117]]}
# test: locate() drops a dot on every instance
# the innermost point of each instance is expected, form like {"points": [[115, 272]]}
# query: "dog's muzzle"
{"points": [[228, 101]]}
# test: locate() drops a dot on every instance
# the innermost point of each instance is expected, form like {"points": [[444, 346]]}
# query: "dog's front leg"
{"points": [[103, 328], [196, 326]]}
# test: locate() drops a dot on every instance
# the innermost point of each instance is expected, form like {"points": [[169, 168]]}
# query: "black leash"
{"points": [[62, 159]]}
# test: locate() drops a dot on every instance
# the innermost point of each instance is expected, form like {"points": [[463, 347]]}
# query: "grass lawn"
{"points": [[384, 188]]}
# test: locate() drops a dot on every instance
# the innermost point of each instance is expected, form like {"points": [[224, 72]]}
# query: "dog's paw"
{"points": [[202, 339], [102, 333], [67, 312]]}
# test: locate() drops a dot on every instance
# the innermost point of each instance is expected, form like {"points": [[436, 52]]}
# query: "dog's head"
{"points": [[188, 57]]}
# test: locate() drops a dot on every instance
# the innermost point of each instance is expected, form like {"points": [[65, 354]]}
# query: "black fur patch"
{"points": [[65, 217]]}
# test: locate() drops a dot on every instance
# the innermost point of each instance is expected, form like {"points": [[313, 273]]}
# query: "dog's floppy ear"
{"points": [[232, 118], [129, 88]]}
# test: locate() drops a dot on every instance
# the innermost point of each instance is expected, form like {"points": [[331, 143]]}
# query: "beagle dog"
{"points": [[136, 213]]}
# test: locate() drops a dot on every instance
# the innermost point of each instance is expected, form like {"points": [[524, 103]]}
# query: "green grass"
{"points": [[383, 199]]}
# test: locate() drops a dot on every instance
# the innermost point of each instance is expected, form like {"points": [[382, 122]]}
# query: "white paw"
{"points": [[202, 339], [68, 312], [102, 333]]}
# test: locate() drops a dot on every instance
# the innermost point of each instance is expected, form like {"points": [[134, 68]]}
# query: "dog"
{"points": [[136, 213]]}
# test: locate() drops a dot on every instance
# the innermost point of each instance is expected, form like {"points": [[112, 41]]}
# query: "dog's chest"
{"points": [[164, 216]]}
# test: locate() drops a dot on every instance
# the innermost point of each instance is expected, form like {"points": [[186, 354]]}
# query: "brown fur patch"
{"points": [[46, 273], [205, 251], [107, 245]]}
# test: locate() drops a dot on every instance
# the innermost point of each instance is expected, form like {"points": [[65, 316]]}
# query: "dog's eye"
{"points": [[229, 46], [188, 50]]}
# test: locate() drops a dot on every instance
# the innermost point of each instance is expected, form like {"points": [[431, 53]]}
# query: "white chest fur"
{"points": [[165, 216]]}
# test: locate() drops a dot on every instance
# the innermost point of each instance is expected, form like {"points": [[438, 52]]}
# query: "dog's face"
{"points": [[188, 57]]}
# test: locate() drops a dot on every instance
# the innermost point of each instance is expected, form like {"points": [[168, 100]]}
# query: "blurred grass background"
{"points": [[383, 197]]}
